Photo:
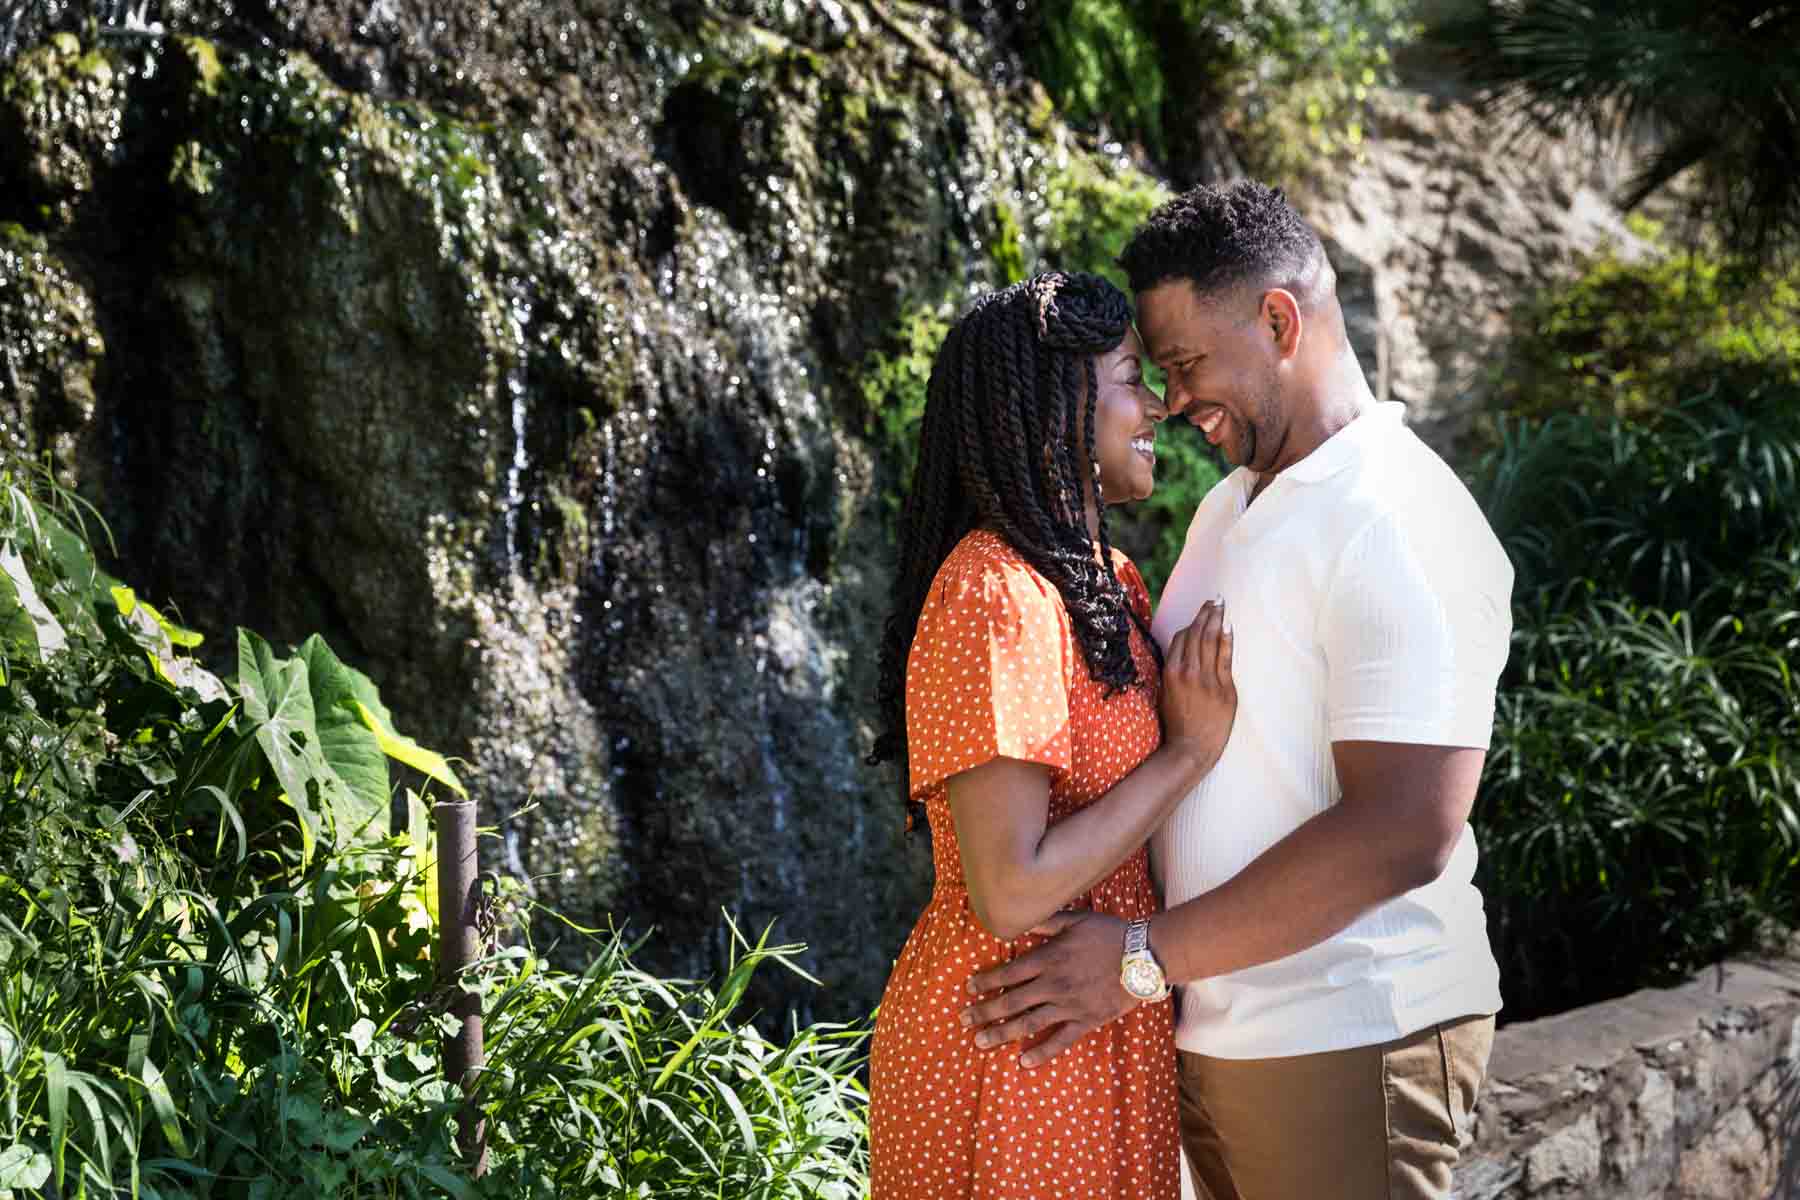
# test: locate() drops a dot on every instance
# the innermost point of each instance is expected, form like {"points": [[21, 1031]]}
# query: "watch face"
{"points": [[1142, 978]]}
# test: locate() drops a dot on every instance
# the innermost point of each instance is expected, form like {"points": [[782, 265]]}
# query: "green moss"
{"points": [[203, 59], [893, 381], [194, 168], [1005, 251], [1094, 208]]}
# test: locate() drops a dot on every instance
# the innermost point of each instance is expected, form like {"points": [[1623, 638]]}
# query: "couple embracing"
{"points": [[1253, 795]]}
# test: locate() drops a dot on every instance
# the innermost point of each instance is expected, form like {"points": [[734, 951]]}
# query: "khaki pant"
{"points": [[1381, 1122]]}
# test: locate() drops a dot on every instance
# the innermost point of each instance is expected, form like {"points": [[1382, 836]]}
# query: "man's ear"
{"points": [[1280, 319]]}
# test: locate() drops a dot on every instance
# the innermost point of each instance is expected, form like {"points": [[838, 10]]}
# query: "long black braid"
{"points": [[1008, 441]]}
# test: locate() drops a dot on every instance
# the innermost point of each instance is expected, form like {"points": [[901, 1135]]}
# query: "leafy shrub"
{"points": [[1623, 337], [1640, 814], [1093, 207], [1290, 78], [215, 973]]}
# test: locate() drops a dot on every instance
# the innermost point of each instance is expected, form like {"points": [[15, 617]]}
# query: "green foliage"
{"points": [[1625, 337], [1101, 63], [1707, 93], [215, 971], [894, 382], [1007, 252], [1290, 77], [654, 1091], [1303, 71], [1640, 814], [1094, 207]]}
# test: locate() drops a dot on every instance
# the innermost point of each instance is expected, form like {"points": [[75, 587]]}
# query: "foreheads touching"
{"points": [[1241, 238]]}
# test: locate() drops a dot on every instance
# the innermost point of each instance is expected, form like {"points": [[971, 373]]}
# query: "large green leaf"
{"points": [[403, 749], [25, 618], [279, 702], [158, 636], [350, 748], [23, 1167]]}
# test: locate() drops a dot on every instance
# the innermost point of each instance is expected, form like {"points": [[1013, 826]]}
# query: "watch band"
{"points": [[1139, 972]]}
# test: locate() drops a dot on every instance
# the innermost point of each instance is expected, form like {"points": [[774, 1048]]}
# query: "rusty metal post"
{"points": [[459, 901]]}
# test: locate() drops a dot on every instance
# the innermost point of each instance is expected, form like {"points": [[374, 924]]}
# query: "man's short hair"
{"points": [[1217, 238]]}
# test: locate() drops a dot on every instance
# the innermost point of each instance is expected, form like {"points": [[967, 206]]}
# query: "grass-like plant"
{"points": [[215, 962], [1640, 815]]}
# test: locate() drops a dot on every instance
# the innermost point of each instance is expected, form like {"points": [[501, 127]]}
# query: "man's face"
{"points": [[1221, 361]]}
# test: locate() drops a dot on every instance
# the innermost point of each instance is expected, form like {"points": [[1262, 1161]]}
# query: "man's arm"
{"points": [[1402, 810]]}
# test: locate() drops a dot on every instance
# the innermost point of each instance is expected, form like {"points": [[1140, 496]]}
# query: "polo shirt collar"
{"points": [[1347, 444]]}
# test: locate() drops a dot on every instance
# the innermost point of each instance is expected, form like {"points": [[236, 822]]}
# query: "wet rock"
{"points": [[516, 348], [1454, 220], [51, 350]]}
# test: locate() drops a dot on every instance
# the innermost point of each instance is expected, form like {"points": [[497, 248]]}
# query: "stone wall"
{"points": [[1685, 1093]]}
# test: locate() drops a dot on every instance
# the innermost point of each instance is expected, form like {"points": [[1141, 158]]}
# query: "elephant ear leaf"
{"points": [[357, 730], [29, 620], [351, 751], [279, 703], [403, 749]]}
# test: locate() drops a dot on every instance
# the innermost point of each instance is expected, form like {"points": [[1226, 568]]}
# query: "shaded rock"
{"points": [[51, 350], [1458, 220]]}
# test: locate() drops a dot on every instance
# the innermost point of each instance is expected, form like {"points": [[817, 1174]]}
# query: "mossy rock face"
{"points": [[519, 351], [61, 108], [51, 353]]}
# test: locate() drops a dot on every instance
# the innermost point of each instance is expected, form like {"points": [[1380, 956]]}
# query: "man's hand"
{"points": [[1071, 982]]}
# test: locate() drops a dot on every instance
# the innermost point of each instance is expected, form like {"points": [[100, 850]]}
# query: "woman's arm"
{"points": [[1020, 869]]}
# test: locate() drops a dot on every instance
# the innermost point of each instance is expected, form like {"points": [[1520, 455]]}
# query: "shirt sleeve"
{"points": [[1415, 642], [988, 677]]}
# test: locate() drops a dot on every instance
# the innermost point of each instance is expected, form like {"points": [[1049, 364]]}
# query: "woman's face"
{"points": [[1125, 420]]}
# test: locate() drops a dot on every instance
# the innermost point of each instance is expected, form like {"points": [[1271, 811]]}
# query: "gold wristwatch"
{"points": [[1139, 971]]}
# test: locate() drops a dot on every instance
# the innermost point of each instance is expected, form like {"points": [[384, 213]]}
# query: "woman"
{"points": [[1020, 683]]}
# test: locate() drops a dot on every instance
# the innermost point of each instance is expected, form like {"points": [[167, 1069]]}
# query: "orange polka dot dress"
{"points": [[995, 671]]}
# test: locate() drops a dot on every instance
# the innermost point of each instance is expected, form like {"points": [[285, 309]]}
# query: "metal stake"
{"points": [[459, 901]]}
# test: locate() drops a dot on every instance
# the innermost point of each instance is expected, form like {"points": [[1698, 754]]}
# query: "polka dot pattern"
{"points": [[995, 670]]}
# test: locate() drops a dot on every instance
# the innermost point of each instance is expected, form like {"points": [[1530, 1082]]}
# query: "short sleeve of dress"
{"points": [[989, 674]]}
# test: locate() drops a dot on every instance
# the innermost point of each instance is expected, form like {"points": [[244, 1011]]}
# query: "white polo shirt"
{"points": [[1370, 601]]}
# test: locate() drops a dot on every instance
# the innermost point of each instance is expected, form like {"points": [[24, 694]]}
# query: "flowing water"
{"points": [[516, 349]]}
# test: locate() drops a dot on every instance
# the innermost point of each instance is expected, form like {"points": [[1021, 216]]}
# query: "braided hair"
{"points": [[1007, 441]]}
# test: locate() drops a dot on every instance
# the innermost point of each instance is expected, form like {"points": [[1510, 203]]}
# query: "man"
{"points": [[1337, 989]]}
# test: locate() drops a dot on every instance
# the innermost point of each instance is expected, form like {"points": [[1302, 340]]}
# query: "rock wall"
{"points": [[515, 349], [1451, 216], [1688, 1093]]}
